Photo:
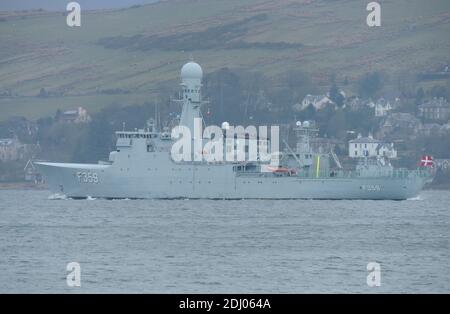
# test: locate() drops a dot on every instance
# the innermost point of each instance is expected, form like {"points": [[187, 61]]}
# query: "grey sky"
{"points": [[60, 5]]}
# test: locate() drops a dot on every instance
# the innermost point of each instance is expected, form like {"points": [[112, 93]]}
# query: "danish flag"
{"points": [[426, 161]]}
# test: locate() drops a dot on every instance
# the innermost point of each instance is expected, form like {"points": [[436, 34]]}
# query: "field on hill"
{"points": [[125, 56]]}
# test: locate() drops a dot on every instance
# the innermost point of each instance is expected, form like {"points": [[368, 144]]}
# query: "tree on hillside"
{"points": [[43, 92], [337, 125], [308, 114], [362, 120], [323, 117], [438, 91], [223, 88], [298, 85], [336, 95], [370, 85], [420, 95], [58, 114], [253, 86]]}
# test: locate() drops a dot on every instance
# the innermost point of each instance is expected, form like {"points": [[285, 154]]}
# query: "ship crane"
{"points": [[336, 159]]}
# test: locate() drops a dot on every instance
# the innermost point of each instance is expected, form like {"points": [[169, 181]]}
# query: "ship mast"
{"points": [[191, 83]]}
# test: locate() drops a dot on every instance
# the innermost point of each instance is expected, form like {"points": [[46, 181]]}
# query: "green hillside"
{"points": [[123, 56]]}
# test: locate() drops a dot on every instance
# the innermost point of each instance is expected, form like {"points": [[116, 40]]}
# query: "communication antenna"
{"points": [[156, 114], [203, 119]]}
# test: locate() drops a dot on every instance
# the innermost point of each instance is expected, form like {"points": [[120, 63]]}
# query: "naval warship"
{"points": [[142, 167]]}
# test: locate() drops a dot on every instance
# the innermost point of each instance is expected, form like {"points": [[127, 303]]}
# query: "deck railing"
{"points": [[339, 174]]}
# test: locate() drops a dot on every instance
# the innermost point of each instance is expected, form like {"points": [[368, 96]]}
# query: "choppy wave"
{"points": [[417, 198], [58, 196]]}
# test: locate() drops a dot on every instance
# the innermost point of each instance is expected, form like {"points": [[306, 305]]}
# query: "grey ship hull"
{"points": [[171, 181], [142, 167]]}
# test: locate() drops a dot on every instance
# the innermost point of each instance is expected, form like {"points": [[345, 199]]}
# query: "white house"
{"points": [[382, 107], [11, 149], [369, 147], [79, 115], [318, 101], [437, 109]]}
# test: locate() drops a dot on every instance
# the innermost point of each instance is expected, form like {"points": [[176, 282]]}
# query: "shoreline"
{"points": [[22, 186]]}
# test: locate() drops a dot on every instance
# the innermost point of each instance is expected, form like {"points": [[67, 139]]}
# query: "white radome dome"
{"points": [[191, 70], [225, 126]]}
